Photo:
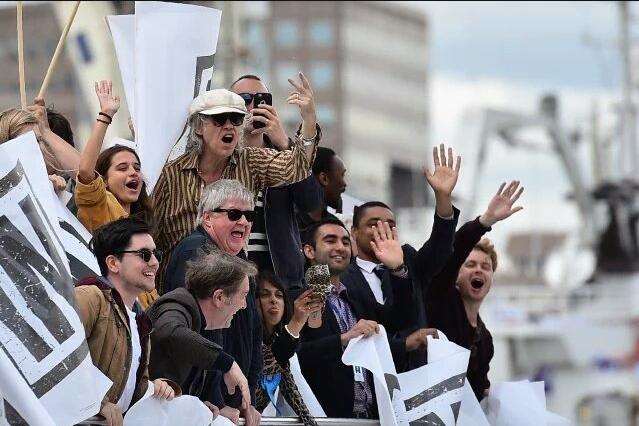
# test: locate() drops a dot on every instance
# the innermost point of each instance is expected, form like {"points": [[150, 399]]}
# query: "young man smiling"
{"points": [[116, 327]]}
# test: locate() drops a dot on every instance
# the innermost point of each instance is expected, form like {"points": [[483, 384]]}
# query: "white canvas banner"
{"points": [[181, 411], [175, 46], [431, 394], [122, 29], [73, 235], [42, 339], [520, 403], [310, 400]]}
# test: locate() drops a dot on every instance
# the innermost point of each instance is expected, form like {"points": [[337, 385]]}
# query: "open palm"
{"points": [[501, 205], [444, 178]]}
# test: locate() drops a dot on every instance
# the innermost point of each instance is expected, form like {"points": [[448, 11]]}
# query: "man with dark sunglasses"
{"points": [[224, 217], [116, 327], [274, 243]]}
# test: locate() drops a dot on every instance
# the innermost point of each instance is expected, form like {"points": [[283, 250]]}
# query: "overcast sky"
{"points": [[506, 56]]}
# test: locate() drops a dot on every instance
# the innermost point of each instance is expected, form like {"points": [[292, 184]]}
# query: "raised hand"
{"points": [[386, 245], [501, 205], [303, 307], [444, 178], [303, 97], [109, 104]]}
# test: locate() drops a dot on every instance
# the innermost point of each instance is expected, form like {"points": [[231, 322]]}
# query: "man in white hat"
{"points": [[216, 120]]}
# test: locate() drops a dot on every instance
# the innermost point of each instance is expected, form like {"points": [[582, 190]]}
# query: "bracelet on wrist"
{"points": [[103, 121], [104, 114], [290, 332]]}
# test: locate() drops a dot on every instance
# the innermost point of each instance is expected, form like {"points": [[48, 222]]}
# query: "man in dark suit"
{"points": [[342, 391], [381, 257]]}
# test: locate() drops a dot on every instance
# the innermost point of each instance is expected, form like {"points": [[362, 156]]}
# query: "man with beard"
{"points": [[453, 298], [345, 392]]}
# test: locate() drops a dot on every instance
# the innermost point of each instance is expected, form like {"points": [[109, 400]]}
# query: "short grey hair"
{"points": [[194, 142], [215, 194], [214, 269]]}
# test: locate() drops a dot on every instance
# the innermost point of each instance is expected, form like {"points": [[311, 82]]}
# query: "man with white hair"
{"points": [[216, 121], [224, 217]]}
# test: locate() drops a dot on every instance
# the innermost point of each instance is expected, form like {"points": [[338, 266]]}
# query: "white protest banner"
{"points": [[310, 400], [75, 238], [431, 394], [520, 403], [122, 29], [175, 47], [42, 339], [185, 410]]}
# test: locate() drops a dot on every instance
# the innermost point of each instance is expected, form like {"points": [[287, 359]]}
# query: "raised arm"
{"points": [[499, 208], [109, 105], [303, 97], [61, 158]]}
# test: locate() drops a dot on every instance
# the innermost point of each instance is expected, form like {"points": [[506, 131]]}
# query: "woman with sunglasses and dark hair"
{"points": [[282, 324], [109, 184]]}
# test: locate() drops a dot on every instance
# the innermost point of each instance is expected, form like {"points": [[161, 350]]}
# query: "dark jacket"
{"points": [[179, 351], [243, 339], [320, 351], [282, 233], [445, 309], [408, 315]]}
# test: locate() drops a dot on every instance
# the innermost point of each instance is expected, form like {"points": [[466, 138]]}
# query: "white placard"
{"points": [[42, 339]]}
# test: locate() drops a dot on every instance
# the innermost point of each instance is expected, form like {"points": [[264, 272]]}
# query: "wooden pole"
{"points": [[23, 90], [58, 51]]}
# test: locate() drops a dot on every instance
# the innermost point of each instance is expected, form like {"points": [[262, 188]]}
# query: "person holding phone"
{"points": [[274, 243]]}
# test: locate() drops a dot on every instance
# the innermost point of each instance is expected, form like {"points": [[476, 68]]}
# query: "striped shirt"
{"points": [[178, 190]]}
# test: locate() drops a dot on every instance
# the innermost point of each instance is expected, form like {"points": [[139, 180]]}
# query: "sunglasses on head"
{"points": [[236, 214], [235, 118], [248, 97], [145, 254]]}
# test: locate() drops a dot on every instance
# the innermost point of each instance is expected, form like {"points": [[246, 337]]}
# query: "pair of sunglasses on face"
{"points": [[220, 120], [145, 254], [259, 96], [236, 214]]}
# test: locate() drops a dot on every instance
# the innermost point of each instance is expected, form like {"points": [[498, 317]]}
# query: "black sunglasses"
{"points": [[236, 214], [145, 254], [248, 97], [235, 118]]}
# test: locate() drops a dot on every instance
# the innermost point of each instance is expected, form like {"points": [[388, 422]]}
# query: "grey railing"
{"points": [[274, 421]]}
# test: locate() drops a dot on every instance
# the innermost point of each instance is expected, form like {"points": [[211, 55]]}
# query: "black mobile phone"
{"points": [[261, 98]]}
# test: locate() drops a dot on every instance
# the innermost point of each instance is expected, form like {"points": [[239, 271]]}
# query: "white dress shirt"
{"points": [[373, 282]]}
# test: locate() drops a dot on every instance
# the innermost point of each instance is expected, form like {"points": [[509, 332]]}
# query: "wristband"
{"points": [[106, 115], [289, 332], [103, 121]]}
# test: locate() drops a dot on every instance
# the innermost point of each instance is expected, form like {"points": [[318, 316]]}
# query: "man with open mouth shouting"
{"points": [[452, 299]]}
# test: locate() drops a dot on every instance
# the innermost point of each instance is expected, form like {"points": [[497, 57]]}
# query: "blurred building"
{"points": [[41, 33], [367, 62]]}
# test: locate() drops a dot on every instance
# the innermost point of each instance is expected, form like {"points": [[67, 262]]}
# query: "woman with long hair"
{"points": [[282, 325], [109, 185], [60, 158]]}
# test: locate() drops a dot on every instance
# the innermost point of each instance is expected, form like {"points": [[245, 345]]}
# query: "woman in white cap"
{"points": [[216, 118]]}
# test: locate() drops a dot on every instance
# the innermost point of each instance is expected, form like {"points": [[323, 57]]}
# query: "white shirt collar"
{"points": [[366, 265]]}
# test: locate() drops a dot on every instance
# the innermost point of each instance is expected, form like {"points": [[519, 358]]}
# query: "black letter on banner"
{"points": [[20, 260], [78, 268], [202, 63]]}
